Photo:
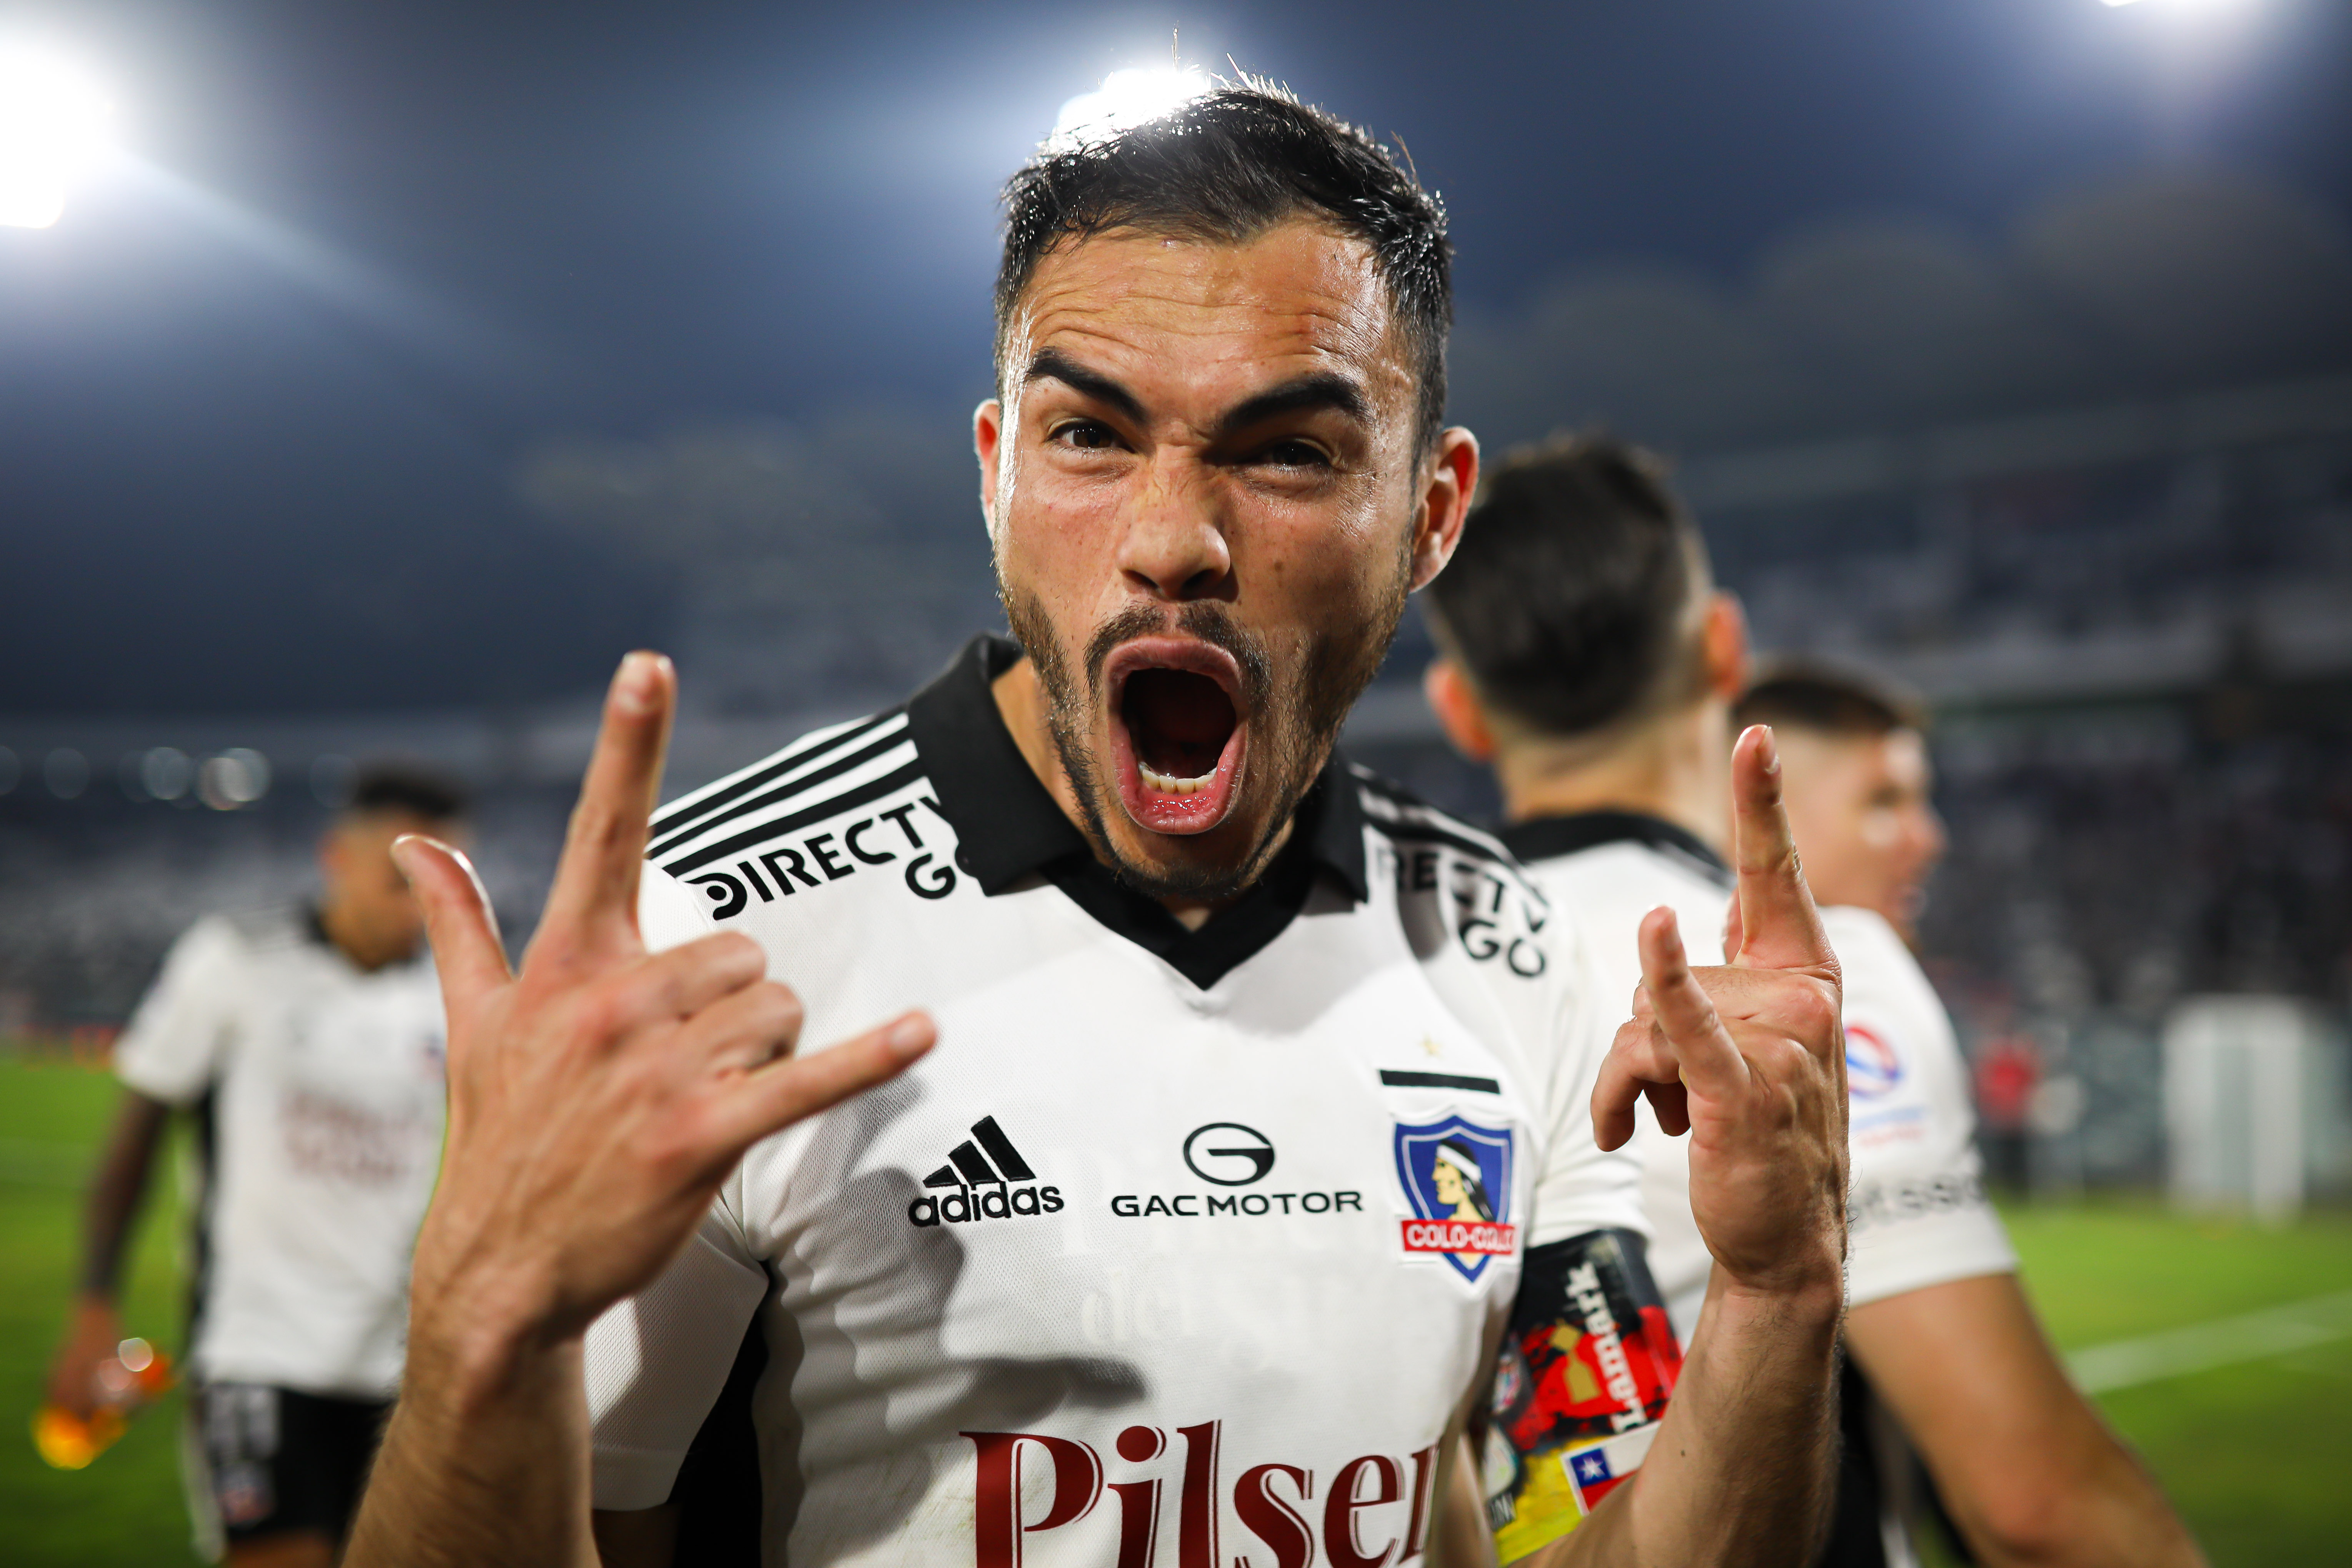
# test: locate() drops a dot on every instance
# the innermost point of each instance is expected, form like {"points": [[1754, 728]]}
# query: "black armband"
{"points": [[1583, 1377]]}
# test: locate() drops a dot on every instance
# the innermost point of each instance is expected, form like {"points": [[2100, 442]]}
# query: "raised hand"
{"points": [[1749, 1058], [598, 1097]]}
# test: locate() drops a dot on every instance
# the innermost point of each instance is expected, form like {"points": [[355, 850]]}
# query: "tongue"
{"points": [[1180, 721]]}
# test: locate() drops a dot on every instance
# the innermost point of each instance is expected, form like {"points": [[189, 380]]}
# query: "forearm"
{"points": [[2030, 1472], [116, 1193], [2112, 1515], [486, 1460], [1744, 1464]]}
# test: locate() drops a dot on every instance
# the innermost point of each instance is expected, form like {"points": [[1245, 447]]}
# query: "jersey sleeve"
{"points": [[1917, 1213], [1580, 1187], [175, 1044], [656, 1362]]}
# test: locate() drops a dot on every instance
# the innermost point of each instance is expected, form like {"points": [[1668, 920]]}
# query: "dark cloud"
{"points": [[2151, 285]]}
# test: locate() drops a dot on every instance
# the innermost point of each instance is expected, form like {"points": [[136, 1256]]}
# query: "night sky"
{"points": [[264, 390]]}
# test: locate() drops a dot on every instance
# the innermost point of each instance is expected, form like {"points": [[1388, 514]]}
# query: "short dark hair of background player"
{"points": [[1228, 166], [1591, 518], [1829, 699], [400, 787]]}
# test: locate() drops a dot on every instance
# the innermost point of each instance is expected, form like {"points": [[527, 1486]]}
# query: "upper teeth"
{"points": [[1168, 786]]}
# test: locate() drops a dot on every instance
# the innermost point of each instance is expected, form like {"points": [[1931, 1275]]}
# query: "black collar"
{"points": [[1008, 827], [1545, 837]]}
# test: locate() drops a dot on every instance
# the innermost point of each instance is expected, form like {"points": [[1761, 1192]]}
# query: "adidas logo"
{"points": [[981, 1181]]}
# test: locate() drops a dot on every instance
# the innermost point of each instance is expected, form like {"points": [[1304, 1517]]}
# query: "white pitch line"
{"points": [[2225, 1341]]}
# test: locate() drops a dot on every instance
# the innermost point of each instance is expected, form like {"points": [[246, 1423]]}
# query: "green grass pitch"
{"points": [[2257, 1455]]}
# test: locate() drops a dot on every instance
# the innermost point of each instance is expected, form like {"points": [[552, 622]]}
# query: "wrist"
{"points": [[475, 1335], [1813, 1295]]}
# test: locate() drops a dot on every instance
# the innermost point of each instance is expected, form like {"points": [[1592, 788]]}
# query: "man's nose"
{"points": [[1175, 548]]}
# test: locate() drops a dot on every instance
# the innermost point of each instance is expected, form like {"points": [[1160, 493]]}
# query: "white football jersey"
{"points": [[317, 1090], [1181, 1246], [1916, 1213]]}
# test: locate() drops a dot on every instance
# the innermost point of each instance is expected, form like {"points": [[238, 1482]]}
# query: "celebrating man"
{"points": [[1152, 1260]]}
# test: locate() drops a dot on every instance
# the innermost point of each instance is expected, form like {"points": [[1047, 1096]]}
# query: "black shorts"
{"points": [[277, 1459]]}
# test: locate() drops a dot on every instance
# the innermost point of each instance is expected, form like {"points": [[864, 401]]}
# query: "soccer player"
{"points": [[306, 1045], [1588, 656], [1150, 1261]]}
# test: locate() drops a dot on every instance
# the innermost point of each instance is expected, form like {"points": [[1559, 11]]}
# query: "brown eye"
{"points": [[1296, 455], [1086, 435]]}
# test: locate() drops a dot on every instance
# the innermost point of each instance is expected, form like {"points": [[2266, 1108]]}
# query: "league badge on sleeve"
{"points": [[1457, 1177], [1871, 1068]]}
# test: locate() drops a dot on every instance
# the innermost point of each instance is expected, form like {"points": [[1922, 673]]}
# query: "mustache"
{"points": [[1208, 621]]}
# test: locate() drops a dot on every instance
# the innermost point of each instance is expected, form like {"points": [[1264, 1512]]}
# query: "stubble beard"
{"points": [[1292, 726]]}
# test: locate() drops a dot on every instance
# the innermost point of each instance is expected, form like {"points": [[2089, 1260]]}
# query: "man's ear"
{"points": [[1459, 713], [987, 444], [1444, 502], [1723, 644]]}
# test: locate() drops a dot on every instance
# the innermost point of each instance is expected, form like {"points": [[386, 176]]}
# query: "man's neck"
{"points": [[1021, 703], [1675, 767]]}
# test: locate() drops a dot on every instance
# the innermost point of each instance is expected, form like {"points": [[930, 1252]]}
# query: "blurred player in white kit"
{"points": [[1588, 656], [306, 1045]]}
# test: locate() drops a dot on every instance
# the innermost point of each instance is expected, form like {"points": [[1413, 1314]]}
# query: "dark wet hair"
{"points": [[1566, 600], [1829, 699], [1229, 165], [412, 789]]}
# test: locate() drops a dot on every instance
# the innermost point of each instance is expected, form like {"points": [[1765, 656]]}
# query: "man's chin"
{"points": [[1209, 866]]}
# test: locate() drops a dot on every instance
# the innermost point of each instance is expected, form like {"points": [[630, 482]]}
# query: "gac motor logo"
{"points": [[1228, 1154], [1370, 1512]]}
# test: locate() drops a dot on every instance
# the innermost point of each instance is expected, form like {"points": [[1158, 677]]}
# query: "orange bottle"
{"points": [[133, 1377]]}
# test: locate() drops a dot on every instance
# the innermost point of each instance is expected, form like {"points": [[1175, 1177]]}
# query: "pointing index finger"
{"points": [[1778, 925], [592, 905]]}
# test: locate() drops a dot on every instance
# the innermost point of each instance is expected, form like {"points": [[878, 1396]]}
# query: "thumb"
{"points": [[467, 951]]}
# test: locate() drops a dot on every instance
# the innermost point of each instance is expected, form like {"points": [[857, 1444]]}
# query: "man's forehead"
{"points": [[1297, 296]]}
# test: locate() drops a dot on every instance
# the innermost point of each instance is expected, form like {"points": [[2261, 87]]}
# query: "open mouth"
{"points": [[1177, 733]]}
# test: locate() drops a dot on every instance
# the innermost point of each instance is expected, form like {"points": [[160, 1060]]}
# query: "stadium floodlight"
{"points": [[55, 126], [1126, 98]]}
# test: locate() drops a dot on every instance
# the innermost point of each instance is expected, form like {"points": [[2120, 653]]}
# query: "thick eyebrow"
{"points": [[1323, 390], [1308, 392], [1058, 366]]}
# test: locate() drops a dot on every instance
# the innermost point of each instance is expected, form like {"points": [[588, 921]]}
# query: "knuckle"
{"points": [[606, 1011], [1816, 1013], [780, 1010], [737, 951]]}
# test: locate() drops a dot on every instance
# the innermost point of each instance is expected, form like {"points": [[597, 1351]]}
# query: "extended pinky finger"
{"points": [[797, 1087]]}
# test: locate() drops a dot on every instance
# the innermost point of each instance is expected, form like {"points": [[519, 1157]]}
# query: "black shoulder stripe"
{"points": [[823, 811], [672, 818], [785, 793]]}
